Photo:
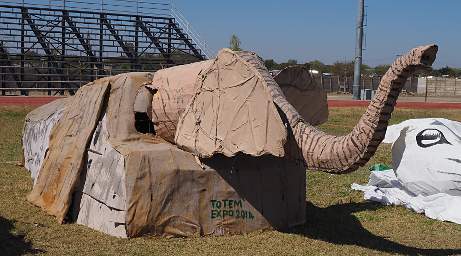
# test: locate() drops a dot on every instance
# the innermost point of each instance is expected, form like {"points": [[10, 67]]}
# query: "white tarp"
{"points": [[385, 188], [426, 156]]}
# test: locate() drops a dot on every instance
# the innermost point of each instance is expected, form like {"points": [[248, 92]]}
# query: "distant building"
{"points": [[439, 86], [314, 72], [274, 72]]}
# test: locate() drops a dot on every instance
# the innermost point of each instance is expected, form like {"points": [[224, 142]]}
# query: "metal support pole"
{"points": [[358, 52], [63, 46], [3, 81], [136, 43], [321, 81], [455, 86], [170, 35], [101, 42], [425, 95], [23, 31], [48, 71]]}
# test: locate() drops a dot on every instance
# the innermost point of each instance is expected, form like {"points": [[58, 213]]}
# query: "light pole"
{"points": [[358, 52]]}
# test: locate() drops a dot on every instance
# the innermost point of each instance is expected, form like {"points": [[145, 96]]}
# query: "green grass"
{"points": [[339, 222]]}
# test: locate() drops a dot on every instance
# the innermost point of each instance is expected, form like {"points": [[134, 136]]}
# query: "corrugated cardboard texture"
{"points": [[69, 140], [231, 112], [343, 154], [174, 90], [302, 91]]}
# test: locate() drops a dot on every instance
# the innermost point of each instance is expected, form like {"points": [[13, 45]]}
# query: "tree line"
{"points": [[347, 68], [344, 69]]}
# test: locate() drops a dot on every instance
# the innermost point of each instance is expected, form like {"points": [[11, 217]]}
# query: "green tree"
{"points": [[380, 70], [234, 43], [343, 69], [271, 64], [289, 63], [449, 71], [292, 62], [319, 66], [366, 70]]}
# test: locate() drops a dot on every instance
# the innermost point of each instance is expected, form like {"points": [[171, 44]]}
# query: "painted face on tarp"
{"points": [[431, 137], [426, 156]]}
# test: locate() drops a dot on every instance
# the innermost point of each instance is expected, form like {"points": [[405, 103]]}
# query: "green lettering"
{"points": [[218, 204], [213, 204], [238, 203]]}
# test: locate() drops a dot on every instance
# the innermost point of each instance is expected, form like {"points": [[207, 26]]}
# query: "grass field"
{"points": [[339, 222]]}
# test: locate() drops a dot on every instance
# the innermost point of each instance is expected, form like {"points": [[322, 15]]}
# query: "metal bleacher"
{"points": [[56, 46]]}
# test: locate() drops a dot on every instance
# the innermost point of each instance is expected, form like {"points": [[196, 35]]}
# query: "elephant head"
{"points": [[345, 154], [232, 104]]}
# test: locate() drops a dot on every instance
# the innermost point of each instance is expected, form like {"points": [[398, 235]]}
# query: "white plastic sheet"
{"points": [[385, 188]]}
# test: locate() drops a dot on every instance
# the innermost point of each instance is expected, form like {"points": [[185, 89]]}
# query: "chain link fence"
{"points": [[343, 84]]}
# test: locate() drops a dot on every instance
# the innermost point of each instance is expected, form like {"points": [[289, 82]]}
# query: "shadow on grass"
{"points": [[336, 224], [11, 244]]}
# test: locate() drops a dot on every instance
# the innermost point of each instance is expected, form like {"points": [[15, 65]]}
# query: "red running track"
{"points": [[404, 104], [38, 101], [26, 100]]}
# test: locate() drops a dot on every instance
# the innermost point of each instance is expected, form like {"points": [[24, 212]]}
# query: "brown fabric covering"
{"points": [[302, 91], [169, 193], [174, 89], [69, 139], [120, 108], [231, 112], [45, 111]]}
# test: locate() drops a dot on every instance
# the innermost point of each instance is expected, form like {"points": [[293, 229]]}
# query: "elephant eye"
{"points": [[430, 137]]}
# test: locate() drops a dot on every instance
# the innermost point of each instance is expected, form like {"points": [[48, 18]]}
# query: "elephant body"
{"points": [[218, 130]]}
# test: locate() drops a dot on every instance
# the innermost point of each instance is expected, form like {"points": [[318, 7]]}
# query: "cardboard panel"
{"points": [[69, 140]]}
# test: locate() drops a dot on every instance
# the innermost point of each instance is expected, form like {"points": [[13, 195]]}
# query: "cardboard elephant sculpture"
{"points": [[212, 147]]}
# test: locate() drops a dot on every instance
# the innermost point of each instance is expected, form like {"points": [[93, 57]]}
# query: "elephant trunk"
{"points": [[344, 154]]}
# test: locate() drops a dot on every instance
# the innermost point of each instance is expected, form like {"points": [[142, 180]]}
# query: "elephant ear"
{"points": [[231, 111], [303, 92]]}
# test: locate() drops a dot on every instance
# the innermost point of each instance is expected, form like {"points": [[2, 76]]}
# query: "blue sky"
{"points": [[325, 29]]}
